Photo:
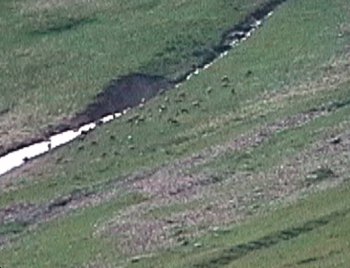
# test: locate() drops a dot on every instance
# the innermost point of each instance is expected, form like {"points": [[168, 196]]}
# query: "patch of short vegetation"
{"points": [[12, 228]]}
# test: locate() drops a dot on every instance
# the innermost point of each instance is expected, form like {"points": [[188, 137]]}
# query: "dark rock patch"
{"points": [[335, 140]]}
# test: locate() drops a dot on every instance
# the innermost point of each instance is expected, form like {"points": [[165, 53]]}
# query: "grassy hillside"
{"points": [[245, 165], [66, 51], [314, 232]]}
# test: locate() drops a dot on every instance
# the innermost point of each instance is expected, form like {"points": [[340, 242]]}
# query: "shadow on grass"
{"points": [[236, 252], [338, 105], [123, 93], [64, 25]]}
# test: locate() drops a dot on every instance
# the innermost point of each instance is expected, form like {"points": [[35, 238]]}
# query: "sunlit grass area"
{"points": [[245, 165]]}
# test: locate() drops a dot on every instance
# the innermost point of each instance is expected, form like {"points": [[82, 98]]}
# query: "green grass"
{"points": [[280, 147], [314, 229], [56, 178], [12, 228], [221, 115], [297, 60], [66, 51], [67, 242]]}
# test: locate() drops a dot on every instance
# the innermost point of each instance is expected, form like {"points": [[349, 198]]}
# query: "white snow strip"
{"points": [[107, 118], [207, 66], [63, 138], [189, 76], [18, 158], [86, 128]]}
